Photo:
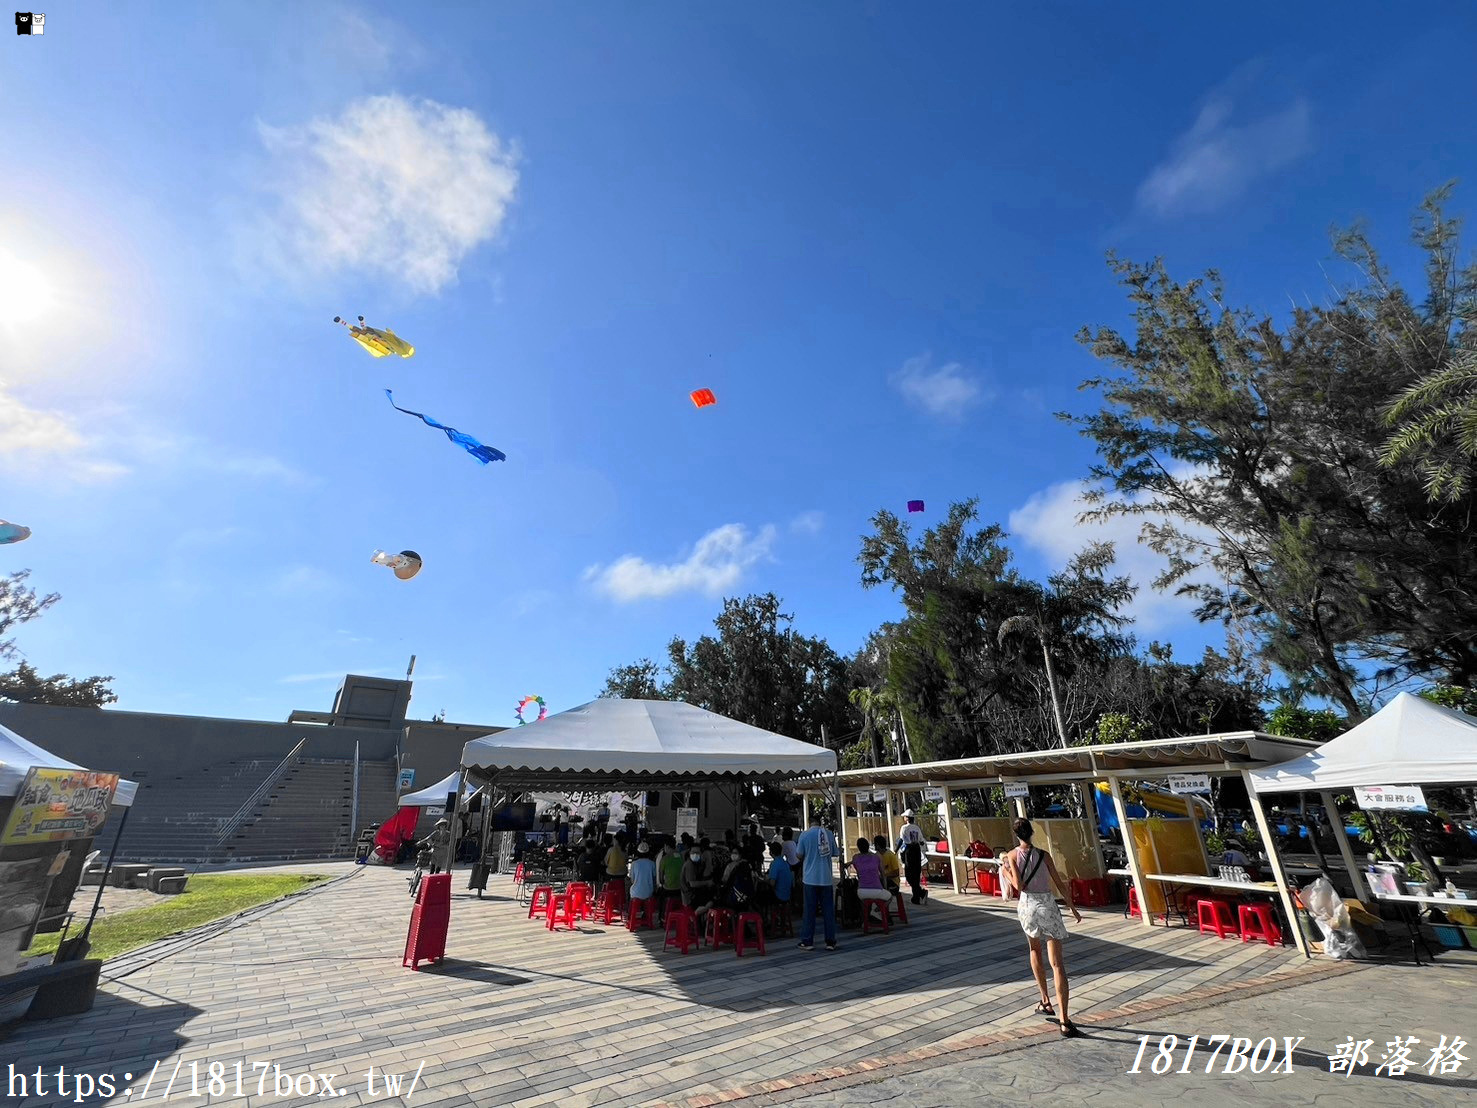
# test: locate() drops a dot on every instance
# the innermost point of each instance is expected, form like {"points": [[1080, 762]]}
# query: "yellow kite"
{"points": [[377, 342]]}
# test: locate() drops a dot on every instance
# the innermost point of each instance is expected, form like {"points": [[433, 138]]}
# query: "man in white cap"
{"points": [[910, 846]]}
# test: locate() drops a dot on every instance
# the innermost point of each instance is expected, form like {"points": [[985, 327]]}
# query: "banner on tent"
{"points": [[933, 794], [1396, 798], [407, 779], [879, 795], [687, 822], [56, 804], [1017, 790], [1189, 784]]}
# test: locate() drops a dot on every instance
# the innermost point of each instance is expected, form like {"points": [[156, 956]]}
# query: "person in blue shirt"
{"points": [[817, 848], [780, 875]]}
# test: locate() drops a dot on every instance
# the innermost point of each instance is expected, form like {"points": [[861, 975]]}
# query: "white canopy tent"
{"points": [[18, 756], [634, 745], [1410, 741], [639, 744], [433, 796]]}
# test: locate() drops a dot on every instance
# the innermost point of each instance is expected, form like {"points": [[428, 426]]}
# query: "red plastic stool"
{"points": [[1133, 904], [902, 909], [1215, 917], [780, 921], [682, 929], [1101, 891], [582, 894], [720, 927], [747, 920], [540, 901], [612, 902], [885, 919], [641, 910], [560, 904], [1258, 921]]}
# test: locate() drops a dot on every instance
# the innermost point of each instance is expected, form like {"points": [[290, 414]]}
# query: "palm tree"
{"points": [[1037, 625]]}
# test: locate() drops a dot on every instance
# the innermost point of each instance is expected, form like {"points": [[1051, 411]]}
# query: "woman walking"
{"points": [[1030, 873]]}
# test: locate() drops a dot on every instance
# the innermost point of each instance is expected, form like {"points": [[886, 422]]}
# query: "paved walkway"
{"points": [[518, 1015], [1426, 1004]]}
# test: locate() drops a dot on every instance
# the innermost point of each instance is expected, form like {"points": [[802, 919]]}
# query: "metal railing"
{"points": [[261, 791]]}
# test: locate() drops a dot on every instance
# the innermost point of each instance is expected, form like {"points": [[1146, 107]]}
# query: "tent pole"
{"points": [[97, 900], [1275, 857], [1346, 852], [804, 811], [891, 826], [840, 812], [949, 836], [456, 807], [1134, 866], [1089, 820]]}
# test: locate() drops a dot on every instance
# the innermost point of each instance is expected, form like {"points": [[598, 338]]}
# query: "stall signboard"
{"points": [[880, 795], [1189, 784], [687, 822], [407, 779], [933, 794], [1017, 790], [57, 804], [1396, 798]]}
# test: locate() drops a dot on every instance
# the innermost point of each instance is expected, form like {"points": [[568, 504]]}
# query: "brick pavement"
{"points": [[517, 1015]]}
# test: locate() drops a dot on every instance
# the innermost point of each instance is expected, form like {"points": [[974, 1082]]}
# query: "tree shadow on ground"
{"points": [[124, 1011]]}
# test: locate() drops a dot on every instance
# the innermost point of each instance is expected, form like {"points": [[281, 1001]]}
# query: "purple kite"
{"points": [[915, 505], [483, 454]]}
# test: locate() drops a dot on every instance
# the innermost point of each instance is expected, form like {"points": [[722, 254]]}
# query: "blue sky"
{"points": [[872, 232]]}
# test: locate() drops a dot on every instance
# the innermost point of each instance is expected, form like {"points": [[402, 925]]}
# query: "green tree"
{"points": [[1295, 722], [20, 604], [25, 686], [1255, 453], [1076, 615], [640, 680]]}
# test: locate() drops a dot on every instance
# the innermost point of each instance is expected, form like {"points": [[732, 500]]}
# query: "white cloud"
{"points": [[1048, 523], [305, 579], [396, 187], [1215, 160], [943, 393], [718, 561], [808, 523], [49, 443]]}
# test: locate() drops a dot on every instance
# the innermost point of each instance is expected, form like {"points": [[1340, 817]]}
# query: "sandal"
{"points": [[1045, 1009], [1071, 1031]]}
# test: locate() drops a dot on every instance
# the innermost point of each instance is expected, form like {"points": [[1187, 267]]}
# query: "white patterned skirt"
{"points": [[1040, 917]]}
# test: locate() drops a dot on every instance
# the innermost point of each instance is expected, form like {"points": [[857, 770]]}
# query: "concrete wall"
{"points": [[142, 743]]}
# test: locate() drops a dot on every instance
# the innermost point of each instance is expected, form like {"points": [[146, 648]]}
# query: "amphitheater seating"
{"points": [[306, 814]]}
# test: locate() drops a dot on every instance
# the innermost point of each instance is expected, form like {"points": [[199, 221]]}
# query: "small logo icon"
{"points": [[30, 23]]}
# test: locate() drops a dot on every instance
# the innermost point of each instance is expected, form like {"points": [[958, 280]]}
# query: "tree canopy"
{"points": [[20, 604]]}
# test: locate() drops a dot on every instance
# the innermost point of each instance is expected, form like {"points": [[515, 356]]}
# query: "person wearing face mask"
{"points": [[697, 887]]}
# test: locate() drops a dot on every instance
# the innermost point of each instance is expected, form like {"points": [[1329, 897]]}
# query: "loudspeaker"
{"points": [[475, 804], [450, 801]]}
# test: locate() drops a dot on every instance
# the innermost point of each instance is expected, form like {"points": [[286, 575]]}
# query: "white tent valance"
{"points": [[18, 756], [1410, 741], [651, 743]]}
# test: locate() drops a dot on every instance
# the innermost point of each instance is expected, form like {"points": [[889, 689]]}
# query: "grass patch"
{"points": [[208, 897]]}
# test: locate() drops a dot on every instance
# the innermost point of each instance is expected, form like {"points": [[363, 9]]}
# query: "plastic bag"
{"points": [[1332, 917]]}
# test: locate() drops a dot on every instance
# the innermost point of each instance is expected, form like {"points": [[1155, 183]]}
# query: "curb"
{"points": [[999, 1042]]}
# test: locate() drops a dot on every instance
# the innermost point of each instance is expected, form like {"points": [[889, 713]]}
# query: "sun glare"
{"points": [[26, 296]]}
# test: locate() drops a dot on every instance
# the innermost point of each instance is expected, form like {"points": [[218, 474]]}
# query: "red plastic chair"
{"points": [[780, 921], [682, 929], [720, 927], [746, 922], [1133, 911], [642, 910], [902, 909], [1259, 921], [1215, 918], [582, 894], [884, 918]]}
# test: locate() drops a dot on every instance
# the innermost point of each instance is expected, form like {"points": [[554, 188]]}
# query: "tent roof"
{"points": [[1227, 753], [18, 755], [639, 743], [432, 796], [1410, 741]]}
